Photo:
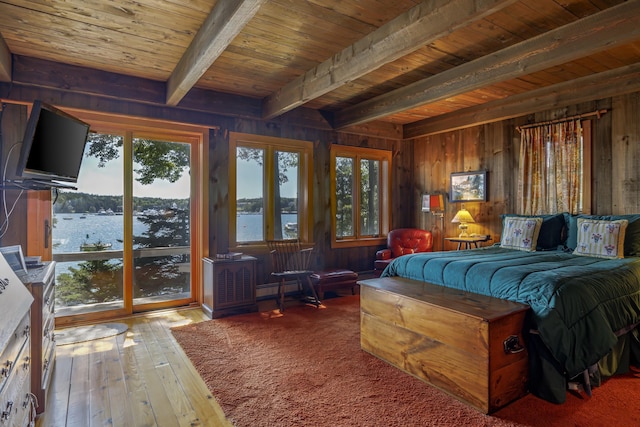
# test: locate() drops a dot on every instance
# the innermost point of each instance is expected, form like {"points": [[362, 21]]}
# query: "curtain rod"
{"points": [[598, 113]]}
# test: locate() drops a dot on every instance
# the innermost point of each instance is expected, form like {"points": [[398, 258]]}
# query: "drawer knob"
{"points": [[512, 345], [7, 412]]}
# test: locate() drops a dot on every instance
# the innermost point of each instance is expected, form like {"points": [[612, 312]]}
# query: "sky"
{"points": [[108, 181], [249, 186]]}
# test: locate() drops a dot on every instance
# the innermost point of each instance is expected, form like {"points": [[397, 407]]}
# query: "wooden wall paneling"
{"points": [[626, 154], [321, 197], [473, 143], [13, 122], [438, 182], [404, 198], [601, 160], [420, 173], [496, 152], [219, 190], [454, 161]]}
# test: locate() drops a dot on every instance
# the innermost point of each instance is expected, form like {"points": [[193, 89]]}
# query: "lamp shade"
{"points": [[436, 202], [463, 215]]}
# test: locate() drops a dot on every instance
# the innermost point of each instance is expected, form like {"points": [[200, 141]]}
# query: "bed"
{"points": [[581, 303]]}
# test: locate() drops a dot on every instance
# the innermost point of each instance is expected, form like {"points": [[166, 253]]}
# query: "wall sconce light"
{"points": [[463, 217], [434, 203]]}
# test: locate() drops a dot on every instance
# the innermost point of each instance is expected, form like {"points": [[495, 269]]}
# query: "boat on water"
{"points": [[88, 247], [291, 226], [67, 218], [103, 212]]}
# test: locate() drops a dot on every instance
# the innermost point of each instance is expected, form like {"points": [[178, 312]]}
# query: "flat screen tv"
{"points": [[53, 145]]}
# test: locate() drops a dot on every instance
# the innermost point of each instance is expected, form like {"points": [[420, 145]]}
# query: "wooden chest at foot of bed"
{"points": [[468, 345]]}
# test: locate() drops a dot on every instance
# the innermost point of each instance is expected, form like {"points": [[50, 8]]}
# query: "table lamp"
{"points": [[463, 217]]}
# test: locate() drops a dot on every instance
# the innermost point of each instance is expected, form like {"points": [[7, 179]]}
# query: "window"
{"points": [[270, 181], [360, 195], [554, 167]]}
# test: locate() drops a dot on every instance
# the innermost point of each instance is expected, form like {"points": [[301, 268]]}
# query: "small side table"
{"points": [[466, 242]]}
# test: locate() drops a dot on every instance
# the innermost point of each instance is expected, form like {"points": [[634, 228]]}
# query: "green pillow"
{"points": [[551, 232]]}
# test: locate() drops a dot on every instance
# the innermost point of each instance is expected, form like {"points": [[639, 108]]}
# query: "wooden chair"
{"points": [[291, 262]]}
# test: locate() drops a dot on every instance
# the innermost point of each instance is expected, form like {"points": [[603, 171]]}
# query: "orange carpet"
{"points": [[306, 368]]}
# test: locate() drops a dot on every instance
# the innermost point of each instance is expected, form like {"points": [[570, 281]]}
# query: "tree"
{"points": [[155, 159], [344, 196], [160, 274], [91, 282]]}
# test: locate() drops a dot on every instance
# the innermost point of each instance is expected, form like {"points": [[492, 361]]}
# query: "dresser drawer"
{"points": [[48, 356], [48, 328], [16, 401], [16, 344], [48, 300]]}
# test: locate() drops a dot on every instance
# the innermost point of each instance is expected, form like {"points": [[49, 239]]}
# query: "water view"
{"points": [[71, 231], [249, 227]]}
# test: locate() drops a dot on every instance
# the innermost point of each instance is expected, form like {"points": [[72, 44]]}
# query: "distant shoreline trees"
{"points": [[73, 202]]}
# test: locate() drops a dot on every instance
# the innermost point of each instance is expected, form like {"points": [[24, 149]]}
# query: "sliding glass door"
{"points": [[161, 213], [123, 239]]}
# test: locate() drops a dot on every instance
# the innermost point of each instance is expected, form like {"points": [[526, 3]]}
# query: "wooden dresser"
{"points": [[16, 402], [41, 283]]}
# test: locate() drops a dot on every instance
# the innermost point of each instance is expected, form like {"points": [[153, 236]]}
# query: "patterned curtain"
{"points": [[550, 169]]}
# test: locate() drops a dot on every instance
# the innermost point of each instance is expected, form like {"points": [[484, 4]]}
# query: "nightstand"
{"points": [[466, 242]]}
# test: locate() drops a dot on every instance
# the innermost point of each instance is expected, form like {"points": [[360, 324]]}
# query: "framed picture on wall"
{"points": [[468, 186]]}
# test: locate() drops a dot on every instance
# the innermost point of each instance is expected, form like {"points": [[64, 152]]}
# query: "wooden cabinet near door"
{"points": [[229, 286], [41, 283]]}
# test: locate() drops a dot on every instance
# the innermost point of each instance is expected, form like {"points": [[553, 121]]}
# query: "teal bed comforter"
{"points": [[577, 302]]}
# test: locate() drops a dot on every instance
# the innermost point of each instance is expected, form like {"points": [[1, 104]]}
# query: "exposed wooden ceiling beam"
{"points": [[606, 84], [5, 61], [91, 89], [611, 27], [421, 25], [223, 24], [81, 80]]}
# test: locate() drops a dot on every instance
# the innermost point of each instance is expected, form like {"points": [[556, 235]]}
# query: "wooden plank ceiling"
{"points": [[425, 66]]}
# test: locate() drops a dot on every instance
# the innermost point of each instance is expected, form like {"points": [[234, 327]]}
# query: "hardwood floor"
{"points": [[135, 379]]}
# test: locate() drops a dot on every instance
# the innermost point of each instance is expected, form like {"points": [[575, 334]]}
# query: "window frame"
{"points": [[305, 184], [358, 154]]}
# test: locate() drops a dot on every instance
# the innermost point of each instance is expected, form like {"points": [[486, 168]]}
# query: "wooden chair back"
{"points": [[289, 256]]}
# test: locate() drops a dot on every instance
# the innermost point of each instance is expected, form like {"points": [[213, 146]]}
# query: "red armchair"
{"points": [[402, 241]]}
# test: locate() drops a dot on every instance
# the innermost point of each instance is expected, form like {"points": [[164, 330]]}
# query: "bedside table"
{"points": [[466, 242]]}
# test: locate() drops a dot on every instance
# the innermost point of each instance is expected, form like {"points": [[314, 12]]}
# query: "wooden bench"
{"points": [[468, 345]]}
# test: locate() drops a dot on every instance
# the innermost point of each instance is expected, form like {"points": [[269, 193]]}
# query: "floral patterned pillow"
{"points": [[601, 239], [520, 233]]}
